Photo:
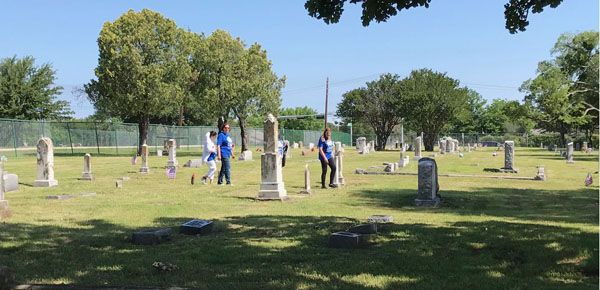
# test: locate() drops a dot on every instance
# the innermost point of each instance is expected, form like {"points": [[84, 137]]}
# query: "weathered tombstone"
{"points": [[570, 153], [193, 163], [585, 145], [541, 174], [344, 240], [87, 168], [271, 186], [145, 168], [246, 156], [151, 236], [361, 145], [11, 182], [306, 189], [389, 167], [380, 219], [469, 147], [372, 143], [45, 164], [196, 227], [300, 145], [172, 154], [159, 153], [311, 146], [337, 159], [4, 210], [294, 145], [428, 183], [442, 146], [509, 157], [119, 184], [449, 144], [417, 148]]}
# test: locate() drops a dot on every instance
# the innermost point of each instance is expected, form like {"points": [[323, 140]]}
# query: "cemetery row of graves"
{"points": [[462, 216]]}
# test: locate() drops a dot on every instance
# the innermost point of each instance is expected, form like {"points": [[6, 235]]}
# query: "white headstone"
{"points": [[246, 156], [417, 144], [145, 168], [271, 186], [306, 189], [45, 164], [172, 153], [87, 168], [570, 153]]}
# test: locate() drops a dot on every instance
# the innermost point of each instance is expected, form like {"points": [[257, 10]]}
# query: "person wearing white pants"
{"points": [[209, 156]]}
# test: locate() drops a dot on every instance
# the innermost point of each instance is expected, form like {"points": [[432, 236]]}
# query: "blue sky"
{"points": [[465, 39]]}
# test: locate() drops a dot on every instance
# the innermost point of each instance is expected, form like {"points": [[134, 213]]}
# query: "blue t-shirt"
{"points": [[212, 156], [327, 148], [224, 140], [280, 146]]}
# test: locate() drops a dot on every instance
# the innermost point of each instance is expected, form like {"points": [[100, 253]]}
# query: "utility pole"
{"points": [[326, 99]]}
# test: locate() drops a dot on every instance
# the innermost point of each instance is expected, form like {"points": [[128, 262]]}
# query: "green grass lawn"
{"points": [[487, 233]]}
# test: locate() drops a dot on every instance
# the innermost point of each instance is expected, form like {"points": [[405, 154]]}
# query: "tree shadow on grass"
{"points": [[575, 206], [289, 252]]}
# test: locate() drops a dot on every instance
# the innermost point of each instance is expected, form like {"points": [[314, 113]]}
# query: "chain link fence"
{"points": [[106, 138]]}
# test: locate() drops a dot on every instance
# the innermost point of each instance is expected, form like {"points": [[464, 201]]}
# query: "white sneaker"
{"points": [[203, 180]]}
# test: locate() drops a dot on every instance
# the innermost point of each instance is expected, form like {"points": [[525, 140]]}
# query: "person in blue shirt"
{"points": [[279, 145], [224, 152], [326, 156]]}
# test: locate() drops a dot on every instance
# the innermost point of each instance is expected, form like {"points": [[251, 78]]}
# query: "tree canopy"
{"points": [[29, 92], [308, 123], [330, 11]]}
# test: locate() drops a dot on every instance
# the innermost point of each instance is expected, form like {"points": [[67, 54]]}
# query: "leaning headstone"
{"points": [[4, 210], [380, 219], [417, 143], [45, 164], [428, 183], [87, 168], [366, 229], [306, 189], [151, 236], [144, 168], [509, 158], [193, 163], [344, 240], [172, 154], [196, 227], [245, 156], [11, 182], [541, 174], [271, 186], [570, 153]]}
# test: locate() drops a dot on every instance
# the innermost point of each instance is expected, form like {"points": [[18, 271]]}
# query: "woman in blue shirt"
{"points": [[224, 152], [326, 157]]}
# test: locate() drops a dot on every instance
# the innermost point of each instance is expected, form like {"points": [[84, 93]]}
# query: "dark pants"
{"points": [[324, 171], [225, 170]]}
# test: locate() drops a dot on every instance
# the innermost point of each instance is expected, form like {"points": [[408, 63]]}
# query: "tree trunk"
{"points": [[143, 125], [382, 136], [243, 125], [429, 141]]}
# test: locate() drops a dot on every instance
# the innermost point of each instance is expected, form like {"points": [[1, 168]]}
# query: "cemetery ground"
{"points": [[487, 233]]}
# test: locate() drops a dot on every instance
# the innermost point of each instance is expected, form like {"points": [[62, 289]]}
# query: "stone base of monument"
{"points": [[307, 191], [4, 211], [196, 227], [151, 236], [87, 176], [246, 156], [570, 162], [193, 163], [509, 170], [172, 164], [144, 170], [432, 155], [345, 240], [45, 183], [427, 202], [272, 191], [416, 158], [366, 229], [11, 182], [380, 219]]}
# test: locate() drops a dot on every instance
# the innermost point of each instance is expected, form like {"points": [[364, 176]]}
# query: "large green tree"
{"points": [[29, 92], [142, 68], [515, 11], [435, 101], [469, 119], [380, 104]]}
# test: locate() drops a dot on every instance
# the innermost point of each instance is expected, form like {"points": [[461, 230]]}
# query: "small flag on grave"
{"points": [[134, 160], [589, 180], [171, 172]]}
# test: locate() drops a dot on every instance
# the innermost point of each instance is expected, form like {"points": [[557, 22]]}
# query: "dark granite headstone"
{"points": [[345, 240], [428, 183], [365, 229], [196, 227], [151, 236]]}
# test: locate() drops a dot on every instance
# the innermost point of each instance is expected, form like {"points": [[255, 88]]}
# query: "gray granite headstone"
{"points": [[570, 153], [509, 157], [172, 162], [87, 168], [417, 148], [428, 183], [11, 182], [193, 163], [145, 153], [344, 240], [306, 189], [151, 236]]}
